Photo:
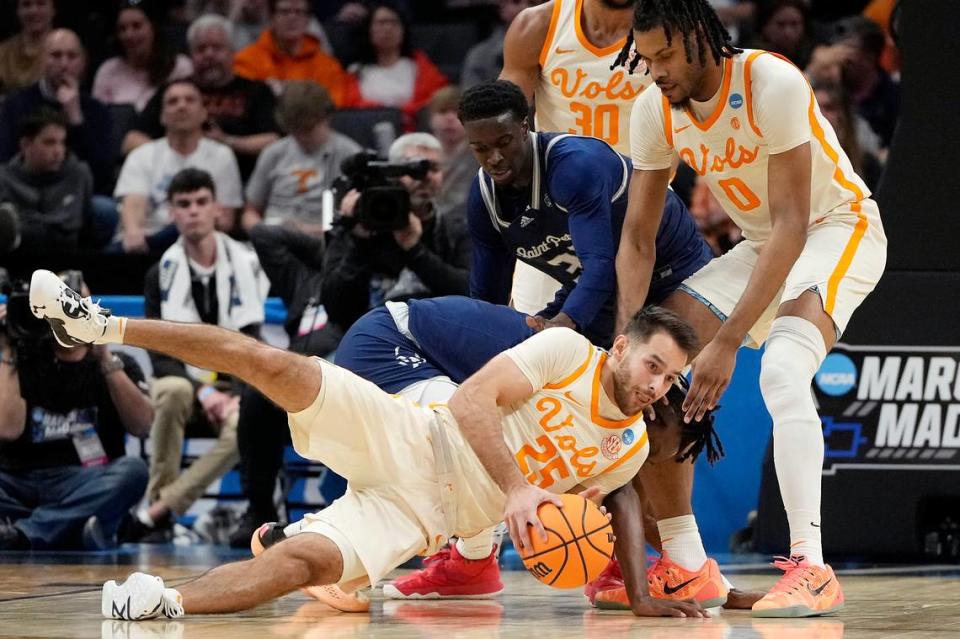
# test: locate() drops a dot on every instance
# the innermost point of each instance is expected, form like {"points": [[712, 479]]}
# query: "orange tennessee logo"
{"points": [[614, 88], [734, 156], [302, 176]]}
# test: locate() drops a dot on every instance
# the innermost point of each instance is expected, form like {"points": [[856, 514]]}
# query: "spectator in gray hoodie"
{"points": [[48, 187]]}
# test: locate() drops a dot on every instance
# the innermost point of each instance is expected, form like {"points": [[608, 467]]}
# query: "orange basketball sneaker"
{"points": [[271, 533], [448, 574], [804, 590], [668, 580]]}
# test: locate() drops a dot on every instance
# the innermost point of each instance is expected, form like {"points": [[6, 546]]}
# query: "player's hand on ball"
{"points": [[521, 512], [712, 370], [650, 607]]}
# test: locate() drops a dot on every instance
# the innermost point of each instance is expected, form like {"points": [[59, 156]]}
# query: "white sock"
{"points": [[116, 327], [477, 547], [681, 540], [794, 352]]}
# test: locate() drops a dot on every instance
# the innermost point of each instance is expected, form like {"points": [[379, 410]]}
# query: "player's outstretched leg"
{"points": [[289, 380], [272, 533], [300, 561]]}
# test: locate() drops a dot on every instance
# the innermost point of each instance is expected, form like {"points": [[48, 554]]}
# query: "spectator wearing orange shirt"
{"points": [[390, 73], [286, 51]]}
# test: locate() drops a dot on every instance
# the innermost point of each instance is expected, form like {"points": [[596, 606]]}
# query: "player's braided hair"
{"points": [[694, 19], [493, 98], [699, 436]]}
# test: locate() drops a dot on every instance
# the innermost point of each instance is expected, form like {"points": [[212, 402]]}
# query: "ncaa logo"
{"points": [[736, 100], [837, 376], [628, 436]]}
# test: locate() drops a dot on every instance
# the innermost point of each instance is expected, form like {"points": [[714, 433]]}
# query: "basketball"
{"points": [[578, 547]]}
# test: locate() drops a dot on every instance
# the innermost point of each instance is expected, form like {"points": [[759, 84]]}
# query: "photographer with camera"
{"points": [[392, 241], [65, 481]]}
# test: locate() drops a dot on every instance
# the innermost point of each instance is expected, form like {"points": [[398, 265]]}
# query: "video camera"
{"points": [[384, 205], [20, 324]]}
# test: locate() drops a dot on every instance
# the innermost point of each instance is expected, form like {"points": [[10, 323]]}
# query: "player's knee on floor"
{"points": [[305, 559], [794, 351], [320, 543]]}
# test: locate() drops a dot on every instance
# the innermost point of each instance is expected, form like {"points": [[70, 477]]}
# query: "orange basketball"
{"points": [[578, 547]]}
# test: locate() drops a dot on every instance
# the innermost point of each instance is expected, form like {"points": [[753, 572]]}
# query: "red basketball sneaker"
{"points": [[671, 581], [610, 579], [804, 590], [448, 575]]}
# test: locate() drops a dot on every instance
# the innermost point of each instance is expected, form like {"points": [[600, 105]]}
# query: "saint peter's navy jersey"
{"points": [[400, 344], [567, 224]]}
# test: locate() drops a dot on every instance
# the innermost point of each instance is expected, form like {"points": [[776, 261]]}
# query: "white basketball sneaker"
{"points": [[141, 596], [75, 320]]}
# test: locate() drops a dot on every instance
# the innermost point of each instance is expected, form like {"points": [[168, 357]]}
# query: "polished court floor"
{"points": [[57, 595]]}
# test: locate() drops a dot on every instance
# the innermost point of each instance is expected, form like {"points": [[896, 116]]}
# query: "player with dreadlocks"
{"points": [[748, 123]]}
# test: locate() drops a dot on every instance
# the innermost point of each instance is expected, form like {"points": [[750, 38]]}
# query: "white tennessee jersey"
{"points": [[577, 92], [568, 433], [764, 107]]}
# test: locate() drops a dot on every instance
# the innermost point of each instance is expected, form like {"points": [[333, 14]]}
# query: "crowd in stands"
{"points": [[204, 136]]}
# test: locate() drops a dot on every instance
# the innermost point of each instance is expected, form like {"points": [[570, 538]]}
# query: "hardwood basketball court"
{"points": [[55, 595]]}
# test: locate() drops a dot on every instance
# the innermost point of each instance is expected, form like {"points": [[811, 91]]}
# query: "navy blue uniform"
{"points": [[567, 223], [453, 336]]}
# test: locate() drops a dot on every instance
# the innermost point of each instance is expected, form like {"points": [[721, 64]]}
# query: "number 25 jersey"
{"points": [[568, 433]]}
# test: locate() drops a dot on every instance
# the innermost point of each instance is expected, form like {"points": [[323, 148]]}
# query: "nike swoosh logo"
{"points": [[669, 590], [816, 591], [683, 128], [569, 396], [560, 51]]}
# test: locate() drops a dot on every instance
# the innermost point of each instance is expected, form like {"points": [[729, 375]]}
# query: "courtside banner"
{"points": [[890, 407]]}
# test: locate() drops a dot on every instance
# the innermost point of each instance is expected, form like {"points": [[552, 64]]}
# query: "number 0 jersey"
{"points": [[577, 91], [568, 433], [764, 107]]}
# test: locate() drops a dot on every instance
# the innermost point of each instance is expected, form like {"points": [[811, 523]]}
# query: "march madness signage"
{"points": [[894, 407]]}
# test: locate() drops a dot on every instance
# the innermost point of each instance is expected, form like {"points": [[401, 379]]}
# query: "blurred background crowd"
{"points": [[114, 116]]}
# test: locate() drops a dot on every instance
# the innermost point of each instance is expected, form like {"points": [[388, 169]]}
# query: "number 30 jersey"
{"points": [[568, 433], [577, 92]]}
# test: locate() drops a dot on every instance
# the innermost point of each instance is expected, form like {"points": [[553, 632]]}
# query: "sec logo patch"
{"points": [[611, 446]]}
